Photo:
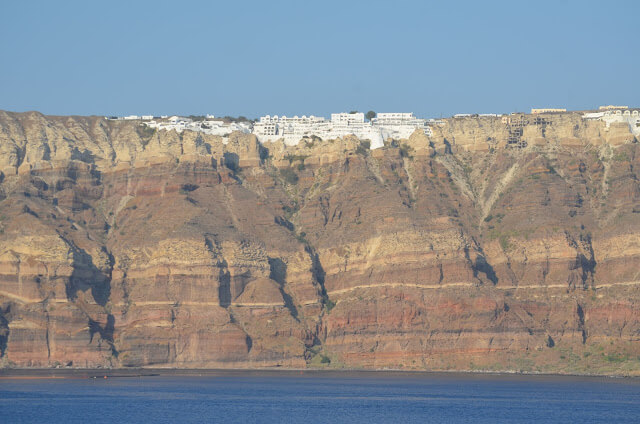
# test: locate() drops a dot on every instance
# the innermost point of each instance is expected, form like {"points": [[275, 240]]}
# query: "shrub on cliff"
{"points": [[406, 151], [289, 176], [186, 188], [145, 133], [363, 147]]}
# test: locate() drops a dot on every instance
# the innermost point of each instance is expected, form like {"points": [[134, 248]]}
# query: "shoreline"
{"points": [[106, 373]]}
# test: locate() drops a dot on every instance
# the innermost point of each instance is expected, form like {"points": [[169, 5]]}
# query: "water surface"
{"points": [[318, 398]]}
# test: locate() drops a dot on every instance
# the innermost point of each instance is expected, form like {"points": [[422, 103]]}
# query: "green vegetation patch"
{"points": [[620, 157], [364, 147], [616, 357], [145, 133], [504, 237], [296, 158], [289, 211], [406, 151], [289, 176]]}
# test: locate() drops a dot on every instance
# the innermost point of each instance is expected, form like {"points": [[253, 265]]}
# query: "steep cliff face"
{"points": [[121, 246]]}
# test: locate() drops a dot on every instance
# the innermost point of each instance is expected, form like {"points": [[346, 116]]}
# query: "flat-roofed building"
{"points": [[347, 118]]}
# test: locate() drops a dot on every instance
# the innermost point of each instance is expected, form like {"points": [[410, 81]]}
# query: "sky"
{"points": [[251, 58]]}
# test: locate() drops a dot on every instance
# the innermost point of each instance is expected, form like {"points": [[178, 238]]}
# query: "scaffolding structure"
{"points": [[515, 126], [542, 123]]}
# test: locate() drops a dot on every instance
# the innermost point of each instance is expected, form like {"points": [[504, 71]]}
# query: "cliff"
{"points": [[480, 248]]}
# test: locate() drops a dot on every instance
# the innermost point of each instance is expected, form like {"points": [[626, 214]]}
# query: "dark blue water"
{"points": [[321, 399]]}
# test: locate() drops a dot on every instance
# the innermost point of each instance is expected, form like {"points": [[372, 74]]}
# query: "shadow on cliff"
{"points": [[224, 289], [278, 273], [585, 262], [86, 275], [106, 332], [480, 265], [231, 161], [83, 156], [4, 329], [318, 275]]}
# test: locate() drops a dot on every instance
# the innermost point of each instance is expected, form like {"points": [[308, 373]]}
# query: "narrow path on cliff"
{"points": [[453, 285]]}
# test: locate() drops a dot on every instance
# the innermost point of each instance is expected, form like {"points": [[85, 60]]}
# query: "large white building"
{"points": [[346, 119]]}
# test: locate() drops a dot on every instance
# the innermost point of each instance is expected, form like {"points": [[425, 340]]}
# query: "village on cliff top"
{"points": [[374, 127]]}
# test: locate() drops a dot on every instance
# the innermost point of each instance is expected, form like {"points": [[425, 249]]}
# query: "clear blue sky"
{"points": [[300, 57]]}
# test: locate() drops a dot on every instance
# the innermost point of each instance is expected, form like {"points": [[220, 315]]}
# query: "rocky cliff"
{"points": [[490, 246]]}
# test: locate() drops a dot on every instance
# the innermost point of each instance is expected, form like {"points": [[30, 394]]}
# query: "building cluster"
{"points": [[209, 125], [132, 118], [383, 127], [612, 107], [617, 114]]}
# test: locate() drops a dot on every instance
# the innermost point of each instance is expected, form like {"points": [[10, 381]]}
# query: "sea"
{"points": [[348, 397]]}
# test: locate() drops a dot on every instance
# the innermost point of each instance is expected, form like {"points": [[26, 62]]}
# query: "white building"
{"points": [[343, 124], [399, 125], [291, 129], [611, 115], [393, 118], [347, 118], [294, 129]]}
